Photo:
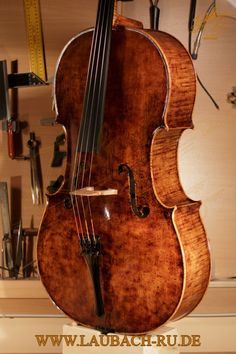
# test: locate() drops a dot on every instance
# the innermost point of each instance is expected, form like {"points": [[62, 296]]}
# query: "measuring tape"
{"points": [[35, 38]]}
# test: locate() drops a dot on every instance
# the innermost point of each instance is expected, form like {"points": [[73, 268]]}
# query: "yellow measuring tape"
{"points": [[35, 38]]}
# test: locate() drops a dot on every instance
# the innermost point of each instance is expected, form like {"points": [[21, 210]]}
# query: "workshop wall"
{"points": [[35, 103]]}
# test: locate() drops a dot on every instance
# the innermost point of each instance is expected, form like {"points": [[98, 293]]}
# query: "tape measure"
{"points": [[35, 38]]}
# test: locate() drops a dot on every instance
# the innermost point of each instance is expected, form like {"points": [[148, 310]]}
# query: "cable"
{"points": [[194, 53], [226, 16], [208, 93], [200, 32]]}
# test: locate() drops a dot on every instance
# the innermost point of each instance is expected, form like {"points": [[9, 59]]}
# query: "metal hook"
{"points": [[154, 2]]}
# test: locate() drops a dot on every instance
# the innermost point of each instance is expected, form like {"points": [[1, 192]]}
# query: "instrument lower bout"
{"points": [[121, 257]]}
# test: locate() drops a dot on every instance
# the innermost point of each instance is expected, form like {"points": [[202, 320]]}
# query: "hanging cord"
{"points": [[197, 42], [211, 8], [191, 23], [154, 14]]}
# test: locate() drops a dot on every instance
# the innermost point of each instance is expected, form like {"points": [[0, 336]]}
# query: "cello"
{"points": [[121, 248]]}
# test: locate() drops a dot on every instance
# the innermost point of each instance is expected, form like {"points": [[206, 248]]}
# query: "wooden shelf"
{"points": [[33, 288], [25, 297], [30, 297], [223, 283], [22, 289]]}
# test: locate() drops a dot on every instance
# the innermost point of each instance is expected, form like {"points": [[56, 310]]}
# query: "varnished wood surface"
{"points": [[194, 244], [143, 264]]}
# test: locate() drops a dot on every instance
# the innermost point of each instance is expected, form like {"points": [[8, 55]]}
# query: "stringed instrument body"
{"points": [[121, 247]]}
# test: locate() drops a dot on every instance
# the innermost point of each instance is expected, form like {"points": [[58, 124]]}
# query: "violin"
{"points": [[121, 248]]}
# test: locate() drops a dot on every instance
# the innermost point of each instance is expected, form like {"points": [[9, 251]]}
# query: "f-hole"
{"points": [[140, 211]]}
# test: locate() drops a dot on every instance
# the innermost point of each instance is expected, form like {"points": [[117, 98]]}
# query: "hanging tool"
{"points": [[191, 22], [4, 95], [10, 123], [154, 15], [58, 155], [194, 52], [9, 107], [34, 30], [38, 74], [13, 128], [55, 185], [35, 170], [232, 96], [18, 250], [28, 247], [7, 254], [197, 42], [23, 246]]}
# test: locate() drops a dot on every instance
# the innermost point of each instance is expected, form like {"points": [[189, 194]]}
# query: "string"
{"points": [[94, 53], [88, 118], [103, 81], [97, 97], [77, 164], [98, 87], [93, 95]]}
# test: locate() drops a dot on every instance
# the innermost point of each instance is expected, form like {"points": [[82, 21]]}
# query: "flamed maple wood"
{"points": [[155, 268]]}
